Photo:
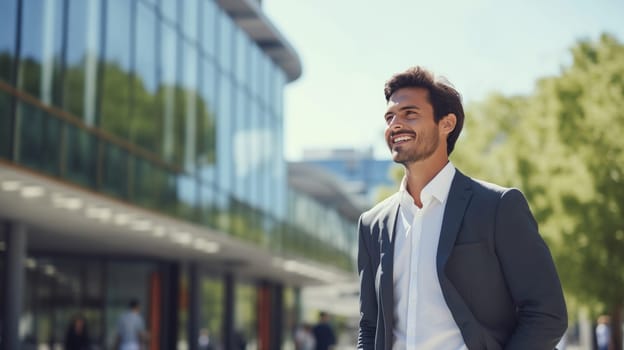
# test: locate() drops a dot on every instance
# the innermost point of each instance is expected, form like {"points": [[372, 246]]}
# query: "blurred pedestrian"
{"points": [[131, 333], [323, 333], [77, 336], [304, 338], [603, 332], [205, 342], [444, 262]]}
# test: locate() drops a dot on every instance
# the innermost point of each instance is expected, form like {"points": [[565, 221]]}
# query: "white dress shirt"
{"points": [[423, 321]]}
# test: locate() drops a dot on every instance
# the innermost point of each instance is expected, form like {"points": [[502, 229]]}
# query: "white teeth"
{"points": [[402, 138]]}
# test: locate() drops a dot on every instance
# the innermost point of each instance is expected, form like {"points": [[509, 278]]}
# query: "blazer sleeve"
{"points": [[531, 276], [368, 300]]}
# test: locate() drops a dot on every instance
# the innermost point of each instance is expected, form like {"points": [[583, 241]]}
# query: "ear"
{"points": [[447, 123]]}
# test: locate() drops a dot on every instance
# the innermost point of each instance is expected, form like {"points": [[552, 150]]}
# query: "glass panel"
{"points": [[83, 25], [189, 127], [8, 18], [167, 94], [244, 146], [115, 96], [279, 170], [242, 50], [147, 123], [245, 326], [187, 201], [39, 72], [146, 49], [31, 48], [207, 202], [211, 313], [38, 143], [254, 65], [189, 20], [206, 138], [6, 131], [225, 135], [226, 29], [209, 28], [149, 184], [169, 10], [115, 171], [81, 146]]}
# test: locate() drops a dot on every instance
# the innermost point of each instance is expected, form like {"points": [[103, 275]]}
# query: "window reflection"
{"points": [[224, 134], [190, 10], [80, 163], [169, 11], [115, 163], [147, 123], [188, 130], [226, 31], [209, 28], [167, 93], [38, 145], [8, 18], [206, 122], [41, 45], [79, 87], [242, 45], [115, 96], [5, 124]]}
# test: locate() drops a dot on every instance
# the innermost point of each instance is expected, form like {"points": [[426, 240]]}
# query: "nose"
{"points": [[394, 124]]}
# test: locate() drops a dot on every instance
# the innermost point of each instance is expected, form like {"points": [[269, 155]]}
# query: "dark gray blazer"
{"points": [[496, 273]]}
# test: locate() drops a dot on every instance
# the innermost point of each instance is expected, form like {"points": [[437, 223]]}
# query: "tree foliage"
{"points": [[563, 146]]}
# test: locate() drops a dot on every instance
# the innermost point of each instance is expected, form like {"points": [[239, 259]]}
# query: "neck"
{"points": [[420, 173]]}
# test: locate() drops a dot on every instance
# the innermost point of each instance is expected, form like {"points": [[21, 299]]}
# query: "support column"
{"points": [[277, 317], [171, 298], [194, 307], [228, 311], [15, 258]]}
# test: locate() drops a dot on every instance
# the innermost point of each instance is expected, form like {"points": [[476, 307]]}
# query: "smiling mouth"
{"points": [[399, 139]]}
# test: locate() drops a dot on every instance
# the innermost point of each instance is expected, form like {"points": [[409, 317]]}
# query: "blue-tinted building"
{"points": [[141, 156], [361, 173]]}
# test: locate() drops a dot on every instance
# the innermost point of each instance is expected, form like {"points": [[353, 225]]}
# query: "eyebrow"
{"points": [[404, 108]]}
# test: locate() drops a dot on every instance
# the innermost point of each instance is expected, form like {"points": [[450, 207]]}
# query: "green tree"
{"points": [[563, 146]]}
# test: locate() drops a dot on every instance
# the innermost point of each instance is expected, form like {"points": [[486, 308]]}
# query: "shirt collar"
{"points": [[437, 188]]}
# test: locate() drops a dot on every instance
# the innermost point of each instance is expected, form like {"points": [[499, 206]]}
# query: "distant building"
{"points": [[360, 172], [141, 147]]}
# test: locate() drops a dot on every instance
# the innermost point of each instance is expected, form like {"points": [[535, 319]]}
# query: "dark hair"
{"points": [[442, 96], [133, 304]]}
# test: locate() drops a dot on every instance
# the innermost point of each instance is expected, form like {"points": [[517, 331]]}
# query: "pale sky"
{"points": [[349, 48]]}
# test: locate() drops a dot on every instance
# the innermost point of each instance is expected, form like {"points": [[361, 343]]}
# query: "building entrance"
{"points": [[61, 289]]}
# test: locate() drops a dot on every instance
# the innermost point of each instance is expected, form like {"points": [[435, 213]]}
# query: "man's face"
{"points": [[411, 132]]}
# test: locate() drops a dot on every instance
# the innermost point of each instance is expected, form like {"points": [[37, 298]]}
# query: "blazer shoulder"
{"points": [[494, 192], [380, 210]]}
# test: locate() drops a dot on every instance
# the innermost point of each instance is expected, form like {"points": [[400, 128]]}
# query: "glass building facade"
{"points": [[170, 108]]}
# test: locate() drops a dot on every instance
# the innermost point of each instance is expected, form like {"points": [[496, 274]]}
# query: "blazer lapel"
{"points": [[458, 199], [386, 289], [457, 202]]}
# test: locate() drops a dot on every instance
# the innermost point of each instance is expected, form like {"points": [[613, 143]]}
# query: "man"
{"points": [[449, 262], [323, 334], [603, 332], [131, 334]]}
